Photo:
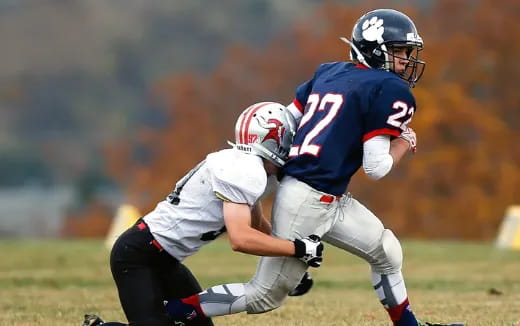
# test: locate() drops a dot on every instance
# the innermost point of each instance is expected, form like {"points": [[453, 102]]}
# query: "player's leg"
{"points": [[94, 320], [135, 275], [179, 282], [297, 212], [218, 300], [228, 299], [360, 232]]}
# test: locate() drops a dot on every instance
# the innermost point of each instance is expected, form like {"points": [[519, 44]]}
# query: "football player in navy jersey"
{"points": [[351, 114]]}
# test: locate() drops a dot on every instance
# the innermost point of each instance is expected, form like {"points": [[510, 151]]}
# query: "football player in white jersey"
{"points": [[222, 193]]}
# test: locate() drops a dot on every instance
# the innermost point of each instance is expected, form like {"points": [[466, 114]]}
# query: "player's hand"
{"points": [[409, 135], [309, 250]]}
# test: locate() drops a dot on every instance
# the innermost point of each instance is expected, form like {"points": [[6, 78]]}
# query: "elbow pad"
{"points": [[377, 161]]}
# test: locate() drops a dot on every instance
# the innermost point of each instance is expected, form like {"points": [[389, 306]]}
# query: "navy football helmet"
{"points": [[378, 33]]}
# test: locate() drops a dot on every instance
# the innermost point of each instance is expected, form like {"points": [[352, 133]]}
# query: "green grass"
{"points": [[54, 282]]}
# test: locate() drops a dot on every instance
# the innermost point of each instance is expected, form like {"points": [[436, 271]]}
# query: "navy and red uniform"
{"points": [[344, 105]]}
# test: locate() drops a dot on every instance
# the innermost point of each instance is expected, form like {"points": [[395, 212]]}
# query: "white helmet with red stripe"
{"points": [[266, 129]]}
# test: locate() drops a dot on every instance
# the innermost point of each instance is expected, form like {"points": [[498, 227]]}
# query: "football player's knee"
{"points": [[261, 299], [392, 254]]}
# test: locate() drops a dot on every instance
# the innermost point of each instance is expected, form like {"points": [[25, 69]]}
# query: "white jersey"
{"points": [[198, 218]]}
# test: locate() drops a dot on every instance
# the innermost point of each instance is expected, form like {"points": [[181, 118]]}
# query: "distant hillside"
{"points": [[75, 74]]}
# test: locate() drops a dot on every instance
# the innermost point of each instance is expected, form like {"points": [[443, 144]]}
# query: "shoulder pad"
{"points": [[238, 176]]}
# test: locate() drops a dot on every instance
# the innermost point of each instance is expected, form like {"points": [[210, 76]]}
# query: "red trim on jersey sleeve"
{"points": [[361, 66], [382, 131], [298, 105]]}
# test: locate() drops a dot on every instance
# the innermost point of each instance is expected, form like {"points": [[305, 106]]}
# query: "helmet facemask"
{"points": [[414, 68]]}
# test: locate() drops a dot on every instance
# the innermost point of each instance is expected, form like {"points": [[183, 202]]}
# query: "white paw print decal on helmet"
{"points": [[373, 30]]}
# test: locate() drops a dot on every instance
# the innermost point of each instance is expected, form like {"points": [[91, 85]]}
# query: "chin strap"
{"points": [[260, 151], [359, 56], [241, 147]]}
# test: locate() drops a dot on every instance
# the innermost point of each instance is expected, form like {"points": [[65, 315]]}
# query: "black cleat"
{"points": [[437, 324], [92, 320], [304, 286]]}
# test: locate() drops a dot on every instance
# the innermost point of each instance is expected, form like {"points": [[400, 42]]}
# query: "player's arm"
{"points": [[385, 142], [380, 154], [296, 109], [399, 146], [377, 156], [244, 238], [258, 219]]}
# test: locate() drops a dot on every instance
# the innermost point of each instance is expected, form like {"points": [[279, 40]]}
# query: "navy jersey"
{"points": [[344, 105]]}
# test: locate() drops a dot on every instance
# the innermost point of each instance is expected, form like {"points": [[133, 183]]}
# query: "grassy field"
{"points": [[54, 282]]}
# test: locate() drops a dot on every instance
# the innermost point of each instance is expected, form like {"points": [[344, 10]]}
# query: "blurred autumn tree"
{"points": [[466, 170]]}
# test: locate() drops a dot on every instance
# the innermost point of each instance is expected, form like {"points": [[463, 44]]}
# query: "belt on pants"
{"points": [[141, 226], [329, 198]]}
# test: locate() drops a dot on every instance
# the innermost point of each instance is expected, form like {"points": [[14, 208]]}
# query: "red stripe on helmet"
{"points": [[244, 129], [242, 121]]}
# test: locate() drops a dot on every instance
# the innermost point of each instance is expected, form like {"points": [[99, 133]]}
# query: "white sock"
{"points": [[390, 288], [223, 299]]}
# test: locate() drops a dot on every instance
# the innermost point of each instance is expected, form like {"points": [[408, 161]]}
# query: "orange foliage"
{"points": [[92, 221], [466, 170]]}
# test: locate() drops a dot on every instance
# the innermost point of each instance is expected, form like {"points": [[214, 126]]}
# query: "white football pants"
{"points": [[344, 223]]}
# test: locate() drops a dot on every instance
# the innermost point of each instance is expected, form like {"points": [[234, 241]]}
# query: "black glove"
{"points": [[309, 250], [304, 286]]}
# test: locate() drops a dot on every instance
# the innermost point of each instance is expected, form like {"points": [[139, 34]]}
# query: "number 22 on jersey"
{"points": [[314, 103], [402, 111]]}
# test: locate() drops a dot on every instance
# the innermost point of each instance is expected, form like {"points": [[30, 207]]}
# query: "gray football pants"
{"points": [[344, 223]]}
